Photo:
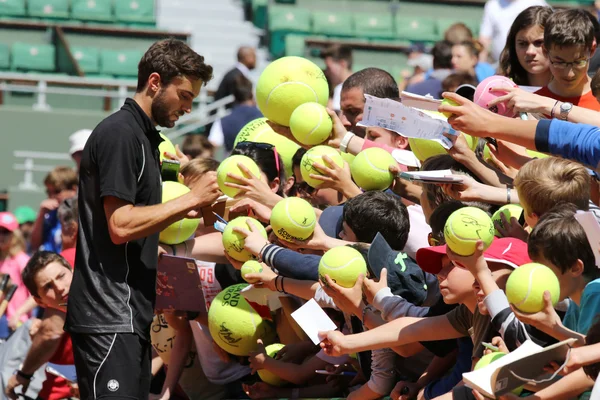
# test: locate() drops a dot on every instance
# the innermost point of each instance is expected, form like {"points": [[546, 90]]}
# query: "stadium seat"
{"points": [[120, 63], [4, 57], [49, 9], [92, 10], [259, 13], [33, 57], [12, 8], [135, 11], [284, 20], [416, 28], [294, 45], [88, 59], [332, 23], [373, 26]]}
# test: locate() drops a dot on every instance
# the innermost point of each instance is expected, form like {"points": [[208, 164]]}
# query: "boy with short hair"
{"points": [[569, 45]]}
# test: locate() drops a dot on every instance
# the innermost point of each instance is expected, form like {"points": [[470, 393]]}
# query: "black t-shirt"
{"points": [[113, 288]]}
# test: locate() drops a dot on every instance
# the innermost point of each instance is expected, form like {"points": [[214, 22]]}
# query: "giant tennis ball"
{"points": [[315, 155], [268, 376], [234, 325], [483, 95], [251, 267], [293, 218], [259, 131], [230, 165], [425, 148], [233, 242], [165, 146], [348, 157], [465, 227], [310, 124], [509, 210], [526, 285], [490, 358], [288, 82], [371, 169], [343, 264], [183, 229]]}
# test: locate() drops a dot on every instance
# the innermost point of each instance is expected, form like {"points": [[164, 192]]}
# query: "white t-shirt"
{"points": [[337, 98], [419, 230], [498, 17]]}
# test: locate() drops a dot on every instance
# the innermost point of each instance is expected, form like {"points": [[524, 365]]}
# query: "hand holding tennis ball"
{"points": [[449, 102]]}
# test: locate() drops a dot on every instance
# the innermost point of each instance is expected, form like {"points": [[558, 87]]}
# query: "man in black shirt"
{"points": [[111, 300]]}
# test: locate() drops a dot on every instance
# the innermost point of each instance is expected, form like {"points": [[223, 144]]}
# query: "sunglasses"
{"points": [[261, 146]]}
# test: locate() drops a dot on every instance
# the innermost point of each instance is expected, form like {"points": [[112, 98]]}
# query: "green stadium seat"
{"points": [[416, 28], [88, 59], [33, 57], [4, 57], [286, 1], [120, 63], [284, 20], [14, 8], [49, 9], [92, 10], [259, 13], [135, 11], [374, 26], [332, 23], [294, 45]]}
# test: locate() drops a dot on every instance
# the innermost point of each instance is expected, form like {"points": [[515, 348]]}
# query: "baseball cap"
{"points": [[78, 140], [405, 278], [508, 251], [8, 221], [331, 221], [25, 214]]}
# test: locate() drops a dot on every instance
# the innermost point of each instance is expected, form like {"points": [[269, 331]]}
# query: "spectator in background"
{"points": [[442, 67], [197, 146], [458, 33], [596, 86], [224, 131], [338, 62], [453, 81], [12, 262], [246, 57], [61, 183], [498, 17], [421, 63], [26, 216], [68, 215], [465, 58], [78, 140]]}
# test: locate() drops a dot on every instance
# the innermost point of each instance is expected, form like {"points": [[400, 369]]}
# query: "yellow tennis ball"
{"points": [[490, 358], [165, 146], [487, 155], [343, 264], [233, 242], [310, 124], [371, 169], [230, 165], [288, 82], [348, 157], [268, 376], [315, 155], [425, 148], [536, 154], [526, 285], [293, 218], [449, 102], [259, 131], [509, 210], [251, 267], [465, 227], [234, 325], [183, 229]]}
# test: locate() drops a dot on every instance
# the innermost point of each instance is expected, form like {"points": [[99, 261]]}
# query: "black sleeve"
{"points": [[120, 159]]}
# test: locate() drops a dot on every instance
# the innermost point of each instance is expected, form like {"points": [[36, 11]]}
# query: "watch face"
{"points": [[566, 106]]}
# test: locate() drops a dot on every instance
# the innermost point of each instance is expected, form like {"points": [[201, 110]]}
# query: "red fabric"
{"points": [[69, 255], [587, 100], [54, 387]]}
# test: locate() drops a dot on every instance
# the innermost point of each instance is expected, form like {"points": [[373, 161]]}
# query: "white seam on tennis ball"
{"points": [[528, 288], [375, 167], [287, 211], [341, 266], [289, 83], [318, 125]]}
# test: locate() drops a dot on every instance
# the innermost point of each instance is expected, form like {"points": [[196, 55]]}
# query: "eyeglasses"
{"points": [[261, 146], [579, 64], [433, 241]]}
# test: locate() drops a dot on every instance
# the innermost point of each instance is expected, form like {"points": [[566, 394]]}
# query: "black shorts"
{"points": [[112, 366]]}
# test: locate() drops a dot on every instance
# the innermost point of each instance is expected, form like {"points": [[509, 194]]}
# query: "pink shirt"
{"points": [[13, 267]]}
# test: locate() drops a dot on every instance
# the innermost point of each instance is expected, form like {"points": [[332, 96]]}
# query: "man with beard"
{"points": [[111, 300]]}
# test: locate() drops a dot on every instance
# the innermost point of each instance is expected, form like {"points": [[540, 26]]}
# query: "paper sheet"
{"points": [[312, 319], [406, 121], [439, 176], [590, 225], [420, 102]]}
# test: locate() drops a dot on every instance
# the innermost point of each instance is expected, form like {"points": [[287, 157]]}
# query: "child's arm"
{"points": [[566, 388], [179, 354]]}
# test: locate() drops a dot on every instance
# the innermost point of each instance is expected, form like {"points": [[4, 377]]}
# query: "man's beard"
{"points": [[160, 111]]}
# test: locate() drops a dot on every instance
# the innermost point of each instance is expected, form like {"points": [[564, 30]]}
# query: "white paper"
{"points": [[312, 319], [420, 102], [439, 176], [406, 121], [406, 157], [590, 225]]}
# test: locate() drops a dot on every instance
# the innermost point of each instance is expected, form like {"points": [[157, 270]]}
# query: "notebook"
{"points": [[178, 285]]}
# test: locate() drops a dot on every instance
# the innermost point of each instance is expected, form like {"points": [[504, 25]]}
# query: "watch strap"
{"points": [[345, 141], [24, 375]]}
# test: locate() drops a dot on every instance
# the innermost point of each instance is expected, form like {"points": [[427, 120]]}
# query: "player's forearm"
{"points": [[44, 344], [207, 248]]}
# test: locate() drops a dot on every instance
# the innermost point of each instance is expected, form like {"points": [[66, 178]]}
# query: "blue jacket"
{"points": [[577, 142]]}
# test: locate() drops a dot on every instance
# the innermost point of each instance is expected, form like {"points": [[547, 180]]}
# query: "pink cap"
{"points": [[8, 221]]}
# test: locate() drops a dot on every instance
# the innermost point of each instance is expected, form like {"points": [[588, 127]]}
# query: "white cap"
{"points": [[78, 140], [424, 61]]}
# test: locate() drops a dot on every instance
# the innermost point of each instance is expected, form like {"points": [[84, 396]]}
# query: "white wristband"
{"points": [[345, 141]]}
